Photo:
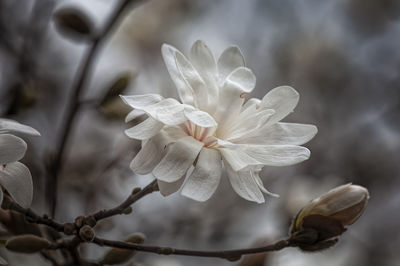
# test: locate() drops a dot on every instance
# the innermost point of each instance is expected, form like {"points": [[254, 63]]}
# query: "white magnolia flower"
{"points": [[214, 123], [15, 176]]}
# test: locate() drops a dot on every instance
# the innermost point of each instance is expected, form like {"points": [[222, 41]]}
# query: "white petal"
{"points": [[203, 59], [12, 148], [205, 178], [282, 99], [231, 99], [281, 133], [261, 185], [168, 111], [11, 126], [276, 155], [249, 123], [17, 179], [140, 101], [238, 159], [244, 77], [133, 115], [251, 103], [178, 159], [198, 117], [169, 54], [167, 189], [194, 81], [244, 184], [150, 154], [173, 133], [145, 130], [229, 60], [204, 62]]}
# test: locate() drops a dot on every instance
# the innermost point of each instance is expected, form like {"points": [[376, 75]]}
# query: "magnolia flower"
{"points": [[213, 123], [15, 176]]}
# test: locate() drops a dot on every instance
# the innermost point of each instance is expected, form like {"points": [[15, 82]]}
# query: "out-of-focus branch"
{"points": [[233, 255], [73, 105]]}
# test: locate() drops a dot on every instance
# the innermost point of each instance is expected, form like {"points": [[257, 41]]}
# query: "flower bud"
{"points": [[326, 217], [86, 233], [27, 244], [118, 255]]}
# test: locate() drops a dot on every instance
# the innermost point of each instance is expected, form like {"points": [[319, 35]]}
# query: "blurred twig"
{"points": [[73, 105]]}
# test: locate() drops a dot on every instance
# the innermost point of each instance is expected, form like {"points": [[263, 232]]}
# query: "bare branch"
{"points": [[233, 254]]}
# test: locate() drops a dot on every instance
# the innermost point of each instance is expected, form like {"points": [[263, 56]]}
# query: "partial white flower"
{"points": [[15, 176], [214, 124]]}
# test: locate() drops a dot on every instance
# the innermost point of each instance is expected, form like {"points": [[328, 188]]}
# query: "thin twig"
{"points": [[135, 196], [73, 105], [233, 254], [31, 216]]}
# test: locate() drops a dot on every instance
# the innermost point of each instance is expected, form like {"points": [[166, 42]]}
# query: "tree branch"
{"points": [[73, 105], [136, 194], [233, 254]]}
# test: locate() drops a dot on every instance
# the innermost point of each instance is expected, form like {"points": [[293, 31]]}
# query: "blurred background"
{"points": [[342, 56]]}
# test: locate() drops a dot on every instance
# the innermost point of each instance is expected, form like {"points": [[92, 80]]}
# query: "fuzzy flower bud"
{"points": [[27, 244], [326, 217], [118, 255]]}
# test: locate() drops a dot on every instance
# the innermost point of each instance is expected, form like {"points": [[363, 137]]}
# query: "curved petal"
{"points": [[194, 81], [150, 154], [133, 115], [145, 130], [140, 101], [244, 184], [252, 103], [169, 54], [16, 178], [244, 77], [241, 81], [11, 126], [198, 117], [276, 155], [205, 178], [282, 99], [247, 124], [204, 62], [180, 156], [168, 111], [261, 185], [230, 59], [238, 159], [12, 148], [281, 133], [167, 189], [203, 59]]}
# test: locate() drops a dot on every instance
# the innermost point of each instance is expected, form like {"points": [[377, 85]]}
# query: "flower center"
{"points": [[200, 133]]}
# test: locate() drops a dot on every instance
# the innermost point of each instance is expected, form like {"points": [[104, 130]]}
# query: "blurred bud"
{"points": [[118, 255], [326, 217], [73, 23], [91, 221], [111, 105], [79, 221], [27, 244], [69, 228], [127, 211], [86, 233]]}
